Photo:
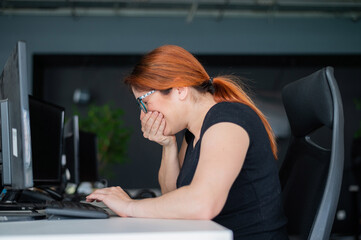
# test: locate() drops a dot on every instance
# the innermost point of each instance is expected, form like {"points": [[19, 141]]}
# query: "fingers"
{"points": [[161, 127], [151, 123], [157, 122], [103, 193], [146, 122], [114, 197], [97, 195]]}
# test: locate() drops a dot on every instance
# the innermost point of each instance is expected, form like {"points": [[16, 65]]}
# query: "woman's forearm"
{"points": [[183, 203], [169, 168]]}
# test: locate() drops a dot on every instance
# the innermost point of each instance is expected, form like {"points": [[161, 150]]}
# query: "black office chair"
{"points": [[311, 175]]}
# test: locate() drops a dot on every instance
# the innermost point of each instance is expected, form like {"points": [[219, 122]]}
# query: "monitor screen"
{"points": [[16, 157], [88, 157], [71, 136], [47, 128]]}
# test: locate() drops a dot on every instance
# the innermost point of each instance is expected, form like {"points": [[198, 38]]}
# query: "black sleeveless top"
{"points": [[253, 209]]}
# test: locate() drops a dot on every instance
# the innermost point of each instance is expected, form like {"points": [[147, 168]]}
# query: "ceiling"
{"points": [[187, 8]]}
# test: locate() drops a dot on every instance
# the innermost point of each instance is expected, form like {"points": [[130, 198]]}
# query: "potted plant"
{"points": [[107, 123]]}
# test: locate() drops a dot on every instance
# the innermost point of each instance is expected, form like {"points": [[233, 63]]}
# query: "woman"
{"points": [[225, 169]]}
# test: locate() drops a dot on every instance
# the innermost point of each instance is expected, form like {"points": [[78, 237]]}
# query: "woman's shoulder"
{"points": [[232, 112], [232, 109]]}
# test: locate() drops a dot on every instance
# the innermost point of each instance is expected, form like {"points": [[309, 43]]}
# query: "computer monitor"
{"points": [[16, 157], [47, 134], [71, 135], [88, 157]]}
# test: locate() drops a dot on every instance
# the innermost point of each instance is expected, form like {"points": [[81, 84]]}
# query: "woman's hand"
{"points": [[153, 125], [115, 198]]}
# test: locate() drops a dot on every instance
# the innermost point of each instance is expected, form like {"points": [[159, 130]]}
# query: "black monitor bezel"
{"points": [[57, 179]]}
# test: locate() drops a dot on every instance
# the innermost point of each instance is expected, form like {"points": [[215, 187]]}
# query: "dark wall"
{"points": [[57, 76]]}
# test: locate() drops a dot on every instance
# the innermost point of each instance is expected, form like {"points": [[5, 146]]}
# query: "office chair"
{"points": [[311, 175]]}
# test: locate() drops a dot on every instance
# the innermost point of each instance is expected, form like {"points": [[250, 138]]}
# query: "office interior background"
{"points": [[93, 45]]}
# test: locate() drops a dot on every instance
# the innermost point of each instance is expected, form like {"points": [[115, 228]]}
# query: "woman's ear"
{"points": [[182, 92]]}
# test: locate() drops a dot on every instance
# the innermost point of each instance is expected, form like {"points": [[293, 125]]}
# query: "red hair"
{"points": [[171, 66]]}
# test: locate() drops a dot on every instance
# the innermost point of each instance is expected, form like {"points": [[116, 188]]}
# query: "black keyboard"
{"points": [[59, 209], [9, 206]]}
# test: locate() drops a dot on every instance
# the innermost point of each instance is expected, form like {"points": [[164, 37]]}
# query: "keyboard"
{"points": [[58, 209], [20, 215], [10, 206], [67, 209]]}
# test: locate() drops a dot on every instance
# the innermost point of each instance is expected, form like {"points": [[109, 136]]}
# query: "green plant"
{"points": [[107, 123], [358, 107]]}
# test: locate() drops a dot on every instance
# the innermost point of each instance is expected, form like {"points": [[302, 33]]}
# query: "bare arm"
{"points": [[153, 125], [170, 166], [223, 151]]}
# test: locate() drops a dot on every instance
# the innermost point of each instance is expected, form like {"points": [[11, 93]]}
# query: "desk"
{"points": [[114, 228]]}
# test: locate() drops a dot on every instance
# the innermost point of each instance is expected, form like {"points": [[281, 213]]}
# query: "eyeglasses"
{"points": [[141, 103]]}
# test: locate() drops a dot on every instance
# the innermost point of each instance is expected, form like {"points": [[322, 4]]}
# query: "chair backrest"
{"points": [[311, 175]]}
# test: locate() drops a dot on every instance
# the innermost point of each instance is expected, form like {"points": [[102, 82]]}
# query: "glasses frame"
{"points": [[141, 103]]}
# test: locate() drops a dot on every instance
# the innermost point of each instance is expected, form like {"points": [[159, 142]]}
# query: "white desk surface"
{"points": [[114, 228]]}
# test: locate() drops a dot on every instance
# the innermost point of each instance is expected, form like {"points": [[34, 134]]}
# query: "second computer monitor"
{"points": [[47, 128], [88, 160]]}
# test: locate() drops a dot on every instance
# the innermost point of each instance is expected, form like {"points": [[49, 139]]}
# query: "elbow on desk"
{"points": [[205, 210], [206, 215], [199, 203]]}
